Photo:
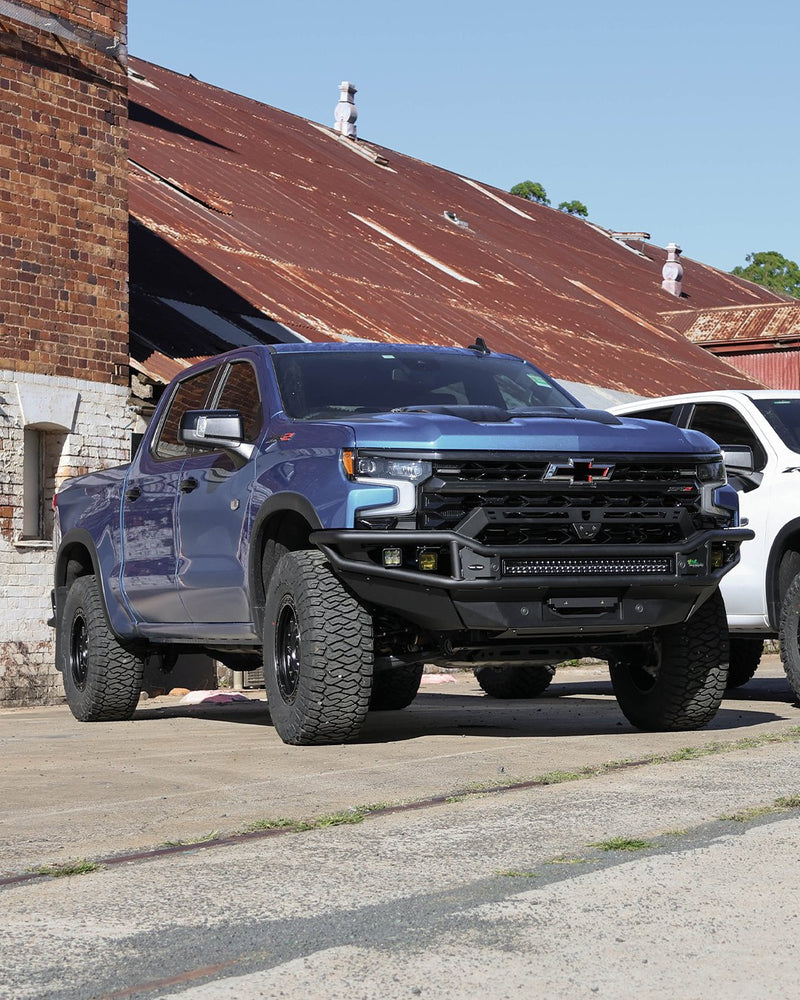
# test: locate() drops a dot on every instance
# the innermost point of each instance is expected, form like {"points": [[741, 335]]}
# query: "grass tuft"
{"points": [[65, 868], [622, 844], [346, 816]]}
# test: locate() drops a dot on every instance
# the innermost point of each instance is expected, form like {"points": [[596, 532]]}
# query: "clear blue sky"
{"points": [[680, 119]]}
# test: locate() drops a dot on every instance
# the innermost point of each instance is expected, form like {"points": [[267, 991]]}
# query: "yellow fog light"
{"points": [[428, 561], [717, 558], [392, 557]]}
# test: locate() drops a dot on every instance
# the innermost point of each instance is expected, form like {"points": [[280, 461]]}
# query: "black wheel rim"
{"points": [[287, 652], [644, 666], [79, 652]]}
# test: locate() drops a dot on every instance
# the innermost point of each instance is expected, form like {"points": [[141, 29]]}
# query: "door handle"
{"points": [[133, 493], [188, 485]]}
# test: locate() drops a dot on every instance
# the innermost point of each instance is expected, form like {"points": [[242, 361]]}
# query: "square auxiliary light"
{"points": [[428, 561], [392, 557]]}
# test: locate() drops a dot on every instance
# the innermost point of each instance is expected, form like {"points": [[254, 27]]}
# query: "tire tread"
{"points": [[336, 638], [114, 675], [691, 679]]}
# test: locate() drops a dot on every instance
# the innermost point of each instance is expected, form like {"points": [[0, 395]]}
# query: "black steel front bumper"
{"points": [[548, 590]]}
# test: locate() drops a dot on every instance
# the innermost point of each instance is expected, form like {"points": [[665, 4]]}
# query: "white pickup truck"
{"points": [[759, 433]]}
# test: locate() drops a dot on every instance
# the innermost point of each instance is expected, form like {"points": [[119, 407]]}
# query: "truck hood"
{"points": [[468, 428]]}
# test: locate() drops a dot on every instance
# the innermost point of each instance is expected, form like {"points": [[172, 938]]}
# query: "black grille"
{"points": [[512, 503]]}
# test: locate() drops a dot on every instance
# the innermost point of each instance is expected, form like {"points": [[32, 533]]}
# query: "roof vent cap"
{"points": [[345, 112], [452, 217]]}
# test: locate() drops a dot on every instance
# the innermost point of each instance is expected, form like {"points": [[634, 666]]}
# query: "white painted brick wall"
{"points": [[99, 438]]}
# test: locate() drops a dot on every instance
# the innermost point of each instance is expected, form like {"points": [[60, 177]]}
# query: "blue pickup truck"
{"points": [[342, 514]]}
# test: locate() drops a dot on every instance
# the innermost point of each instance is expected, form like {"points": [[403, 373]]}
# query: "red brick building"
{"points": [[63, 306]]}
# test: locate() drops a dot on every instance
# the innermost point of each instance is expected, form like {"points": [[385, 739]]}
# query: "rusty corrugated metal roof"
{"points": [[740, 324], [288, 219]]}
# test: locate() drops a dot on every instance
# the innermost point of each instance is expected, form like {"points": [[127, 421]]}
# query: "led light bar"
{"points": [[652, 566]]}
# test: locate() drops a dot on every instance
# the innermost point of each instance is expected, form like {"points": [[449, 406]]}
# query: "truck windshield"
{"points": [[328, 384], [783, 415]]}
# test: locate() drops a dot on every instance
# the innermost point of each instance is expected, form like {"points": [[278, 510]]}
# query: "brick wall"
{"points": [[63, 296], [99, 437], [63, 192]]}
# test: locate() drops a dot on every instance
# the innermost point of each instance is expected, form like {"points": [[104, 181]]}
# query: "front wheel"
{"points": [[789, 635], [318, 653], [102, 679], [679, 681], [512, 681]]}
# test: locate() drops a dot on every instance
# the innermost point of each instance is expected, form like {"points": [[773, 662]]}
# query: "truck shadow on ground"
{"points": [[763, 689], [571, 709]]}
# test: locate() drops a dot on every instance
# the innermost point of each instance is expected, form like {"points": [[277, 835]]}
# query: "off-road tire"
{"points": [[745, 656], [318, 653], [102, 679], [395, 689], [679, 683], [510, 681], [789, 635]]}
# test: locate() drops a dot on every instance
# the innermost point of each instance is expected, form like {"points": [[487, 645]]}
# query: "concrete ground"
{"points": [[177, 772], [468, 892]]}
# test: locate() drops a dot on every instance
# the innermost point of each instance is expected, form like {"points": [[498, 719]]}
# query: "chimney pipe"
{"points": [[345, 113], [672, 271]]}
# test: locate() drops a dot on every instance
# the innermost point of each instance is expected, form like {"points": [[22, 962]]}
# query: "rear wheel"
{"points": [[744, 659], [679, 681], [102, 679], [318, 656], [395, 689], [510, 681]]}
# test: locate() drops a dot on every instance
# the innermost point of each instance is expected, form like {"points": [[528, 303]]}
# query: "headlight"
{"points": [[365, 466], [712, 473], [711, 476], [402, 474]]}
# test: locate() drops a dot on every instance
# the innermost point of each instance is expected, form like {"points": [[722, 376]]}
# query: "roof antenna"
{"points": [[479, 346]]}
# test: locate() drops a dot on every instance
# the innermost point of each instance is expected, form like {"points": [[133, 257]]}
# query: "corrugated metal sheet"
{"points": [[778, 369], [284, 216]]}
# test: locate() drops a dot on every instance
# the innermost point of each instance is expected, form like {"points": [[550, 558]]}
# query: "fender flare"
{"points": [[277, 504], [119, 621], [773, 583]]}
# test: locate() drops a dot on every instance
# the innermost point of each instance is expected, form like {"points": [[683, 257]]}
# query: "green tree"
{"points": [[532, 190], [574, 208], [772, 270]]}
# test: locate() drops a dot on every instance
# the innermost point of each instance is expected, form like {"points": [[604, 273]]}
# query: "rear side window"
{"points": [[240, 392], [190, 394], [666, 414]]}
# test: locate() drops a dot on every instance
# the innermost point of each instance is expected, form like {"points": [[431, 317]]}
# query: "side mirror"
{"points": [[738, 458], [740, 466], [215, 430]]}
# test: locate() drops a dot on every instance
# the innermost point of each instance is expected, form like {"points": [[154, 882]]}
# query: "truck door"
{"points": [[149, 512], [727, 426], [213, 500]]}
